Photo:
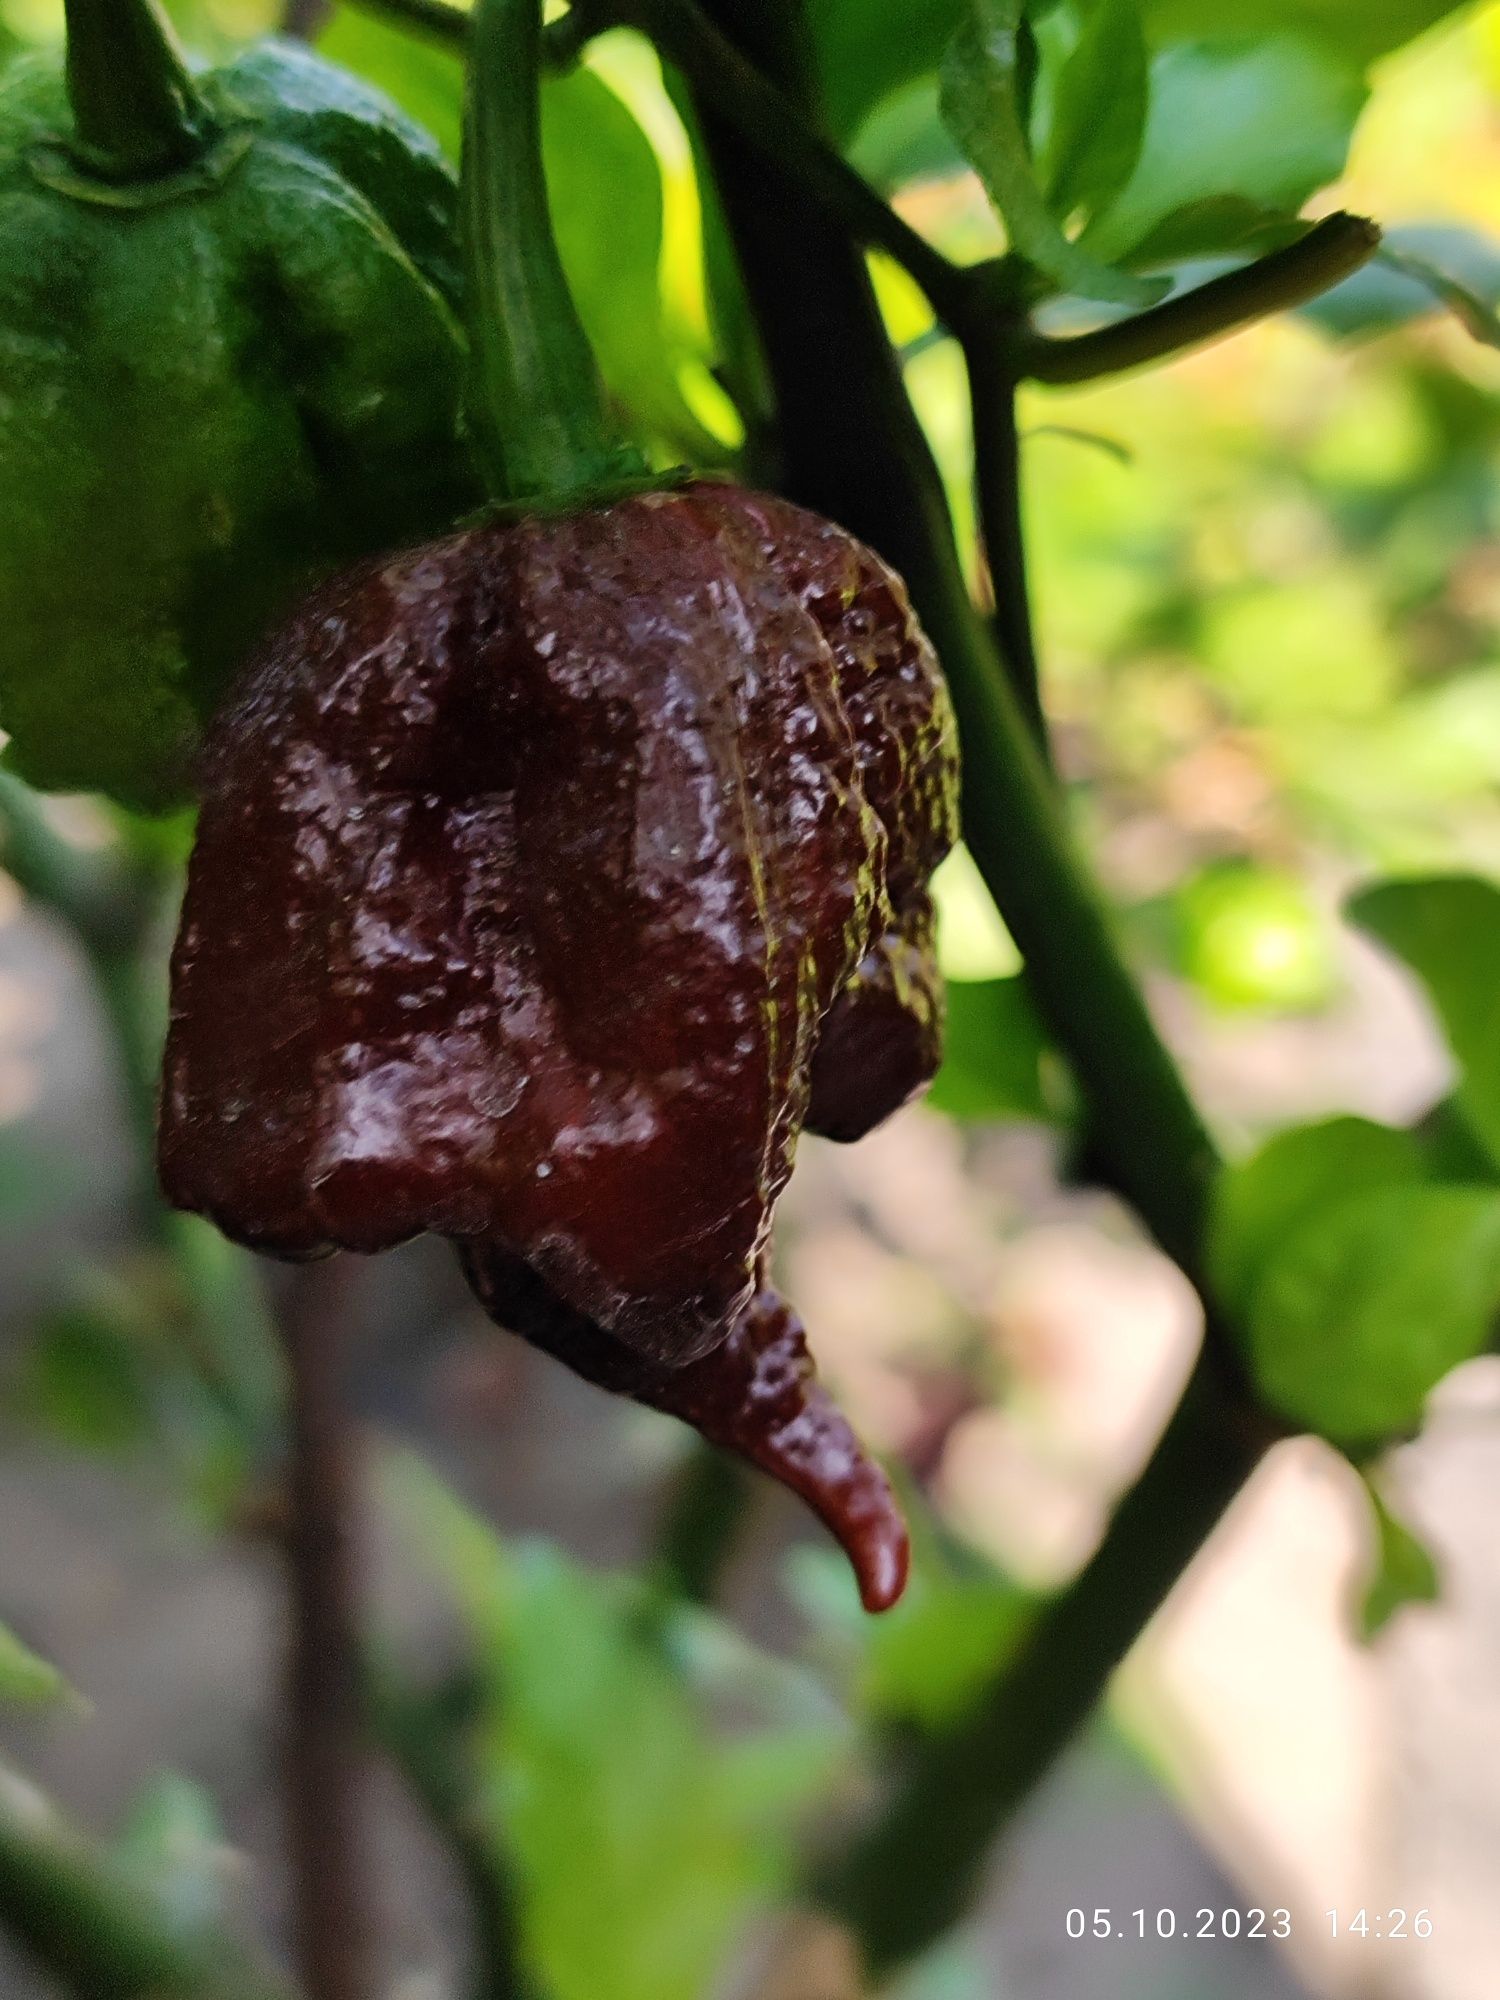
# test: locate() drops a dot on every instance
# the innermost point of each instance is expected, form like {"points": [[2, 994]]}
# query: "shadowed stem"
{"points": [[325, 1752]]}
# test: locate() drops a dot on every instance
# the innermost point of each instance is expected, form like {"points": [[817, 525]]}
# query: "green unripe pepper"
{"points": [[229, 360]]}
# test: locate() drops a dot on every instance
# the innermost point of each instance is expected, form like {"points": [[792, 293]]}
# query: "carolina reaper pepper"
{"points": [[230, 361], [552, 876]]}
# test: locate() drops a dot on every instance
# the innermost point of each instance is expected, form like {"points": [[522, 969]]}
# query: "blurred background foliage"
{"points": [[1268, 589]]}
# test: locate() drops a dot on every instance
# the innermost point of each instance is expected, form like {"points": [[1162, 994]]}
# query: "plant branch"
{"points": [[324, 1747], [747, 101], [913, 1874], [98, 1928], [997, 480], [852, 447], [1328, 253]]}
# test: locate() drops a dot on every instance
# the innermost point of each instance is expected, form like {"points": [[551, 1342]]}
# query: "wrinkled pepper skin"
{"points": [[214, 388], [549, 879]]}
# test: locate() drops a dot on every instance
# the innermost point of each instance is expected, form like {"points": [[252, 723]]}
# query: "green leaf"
{"points": [[1099, 112], [982, 85], [1447, 929], [1403, 1571], [860, 62], [1262, 1201], [1369, 1303], [423, 78], [611, 251], [993, 1054], [1359, 29], [1252, 938], [1421, 268], [640, 1842], [174, 1840], [1238, 134], [25, 1680], [85, 1378]]}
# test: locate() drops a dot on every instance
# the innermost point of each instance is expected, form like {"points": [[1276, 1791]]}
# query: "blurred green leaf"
{"points": [[993, 1054], [25, 1680], [1253, 939], [1238, 133], [85, 1379], [1403, 1571], [1369, 1303], [1359, 29], [1099, 111], [1422, 268], [1447, 929], [603, 1771], [905, 140], [931, 1657], [423, 78], [861, 61], [173, 1839], [611, 248], [982, 101], [1261, 1202]]}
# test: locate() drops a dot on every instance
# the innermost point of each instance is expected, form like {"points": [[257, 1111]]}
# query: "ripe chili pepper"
{"points": [[552, 876], [229, 362]]}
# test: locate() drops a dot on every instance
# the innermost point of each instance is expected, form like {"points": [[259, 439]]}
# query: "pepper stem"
{"points": [[136, 110], [537, 409]]}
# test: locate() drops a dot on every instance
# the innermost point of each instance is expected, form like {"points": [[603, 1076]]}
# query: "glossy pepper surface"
{"points": [[224, 371], [550, 878]]}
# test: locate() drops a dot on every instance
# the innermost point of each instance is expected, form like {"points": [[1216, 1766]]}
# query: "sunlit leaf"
{"points": [[1359, 29], [1447, 929], [1238, 133], [982, 100], [1253, 939], [1364, 1308], [1099, 111], [1261, 1202]]}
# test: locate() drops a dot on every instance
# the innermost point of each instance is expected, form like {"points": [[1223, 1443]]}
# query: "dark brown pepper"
{"points": [[549, 879]]}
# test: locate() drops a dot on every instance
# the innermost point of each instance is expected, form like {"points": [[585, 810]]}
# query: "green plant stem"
{"points": [[536, 402], [997, 480], [743, 98], [1329, 252], [913, 1874], [136, 110], [852, 447], [97, 1928]]}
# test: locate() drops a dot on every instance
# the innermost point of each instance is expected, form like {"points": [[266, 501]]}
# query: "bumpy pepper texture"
{"points": [[549, 879]]}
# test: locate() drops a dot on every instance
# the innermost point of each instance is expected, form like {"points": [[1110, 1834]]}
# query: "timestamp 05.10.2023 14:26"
{"points": [[1394, 1924]]}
